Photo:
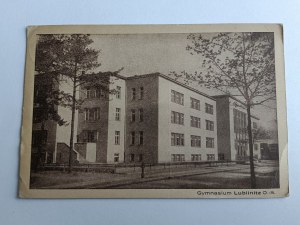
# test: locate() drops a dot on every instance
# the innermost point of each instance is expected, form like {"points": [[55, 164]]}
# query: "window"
{"points": [[177, 139], [133, 93], [118, 92], [132, 142], [89, 93], [195, 122], [90, 136], [196, 157], [177, 97], [141, 138], [177, 118], [209, 125], [195, 141], [131, 157], [116, 157], [209, 108], [210, 157], [94, 92], [209, 142], [254, 125], [117, 137], [141, 115], [141, 92], [118, 110], [221, 156], [92, 114], [177, 157], [255, 147], [133, 115], [195, 104]]}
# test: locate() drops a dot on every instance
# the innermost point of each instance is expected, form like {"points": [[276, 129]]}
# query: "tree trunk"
{"points": [[252, 172], [72, 122]]}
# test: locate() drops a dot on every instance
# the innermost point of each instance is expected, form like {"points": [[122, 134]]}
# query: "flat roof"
{"points": [[172, 80], [230, 96]]}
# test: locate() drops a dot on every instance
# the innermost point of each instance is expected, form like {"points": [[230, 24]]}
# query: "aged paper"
{"points": [[154, 111]]}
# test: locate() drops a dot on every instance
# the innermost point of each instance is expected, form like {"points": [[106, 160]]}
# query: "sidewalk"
{"points": [[118, 180]]}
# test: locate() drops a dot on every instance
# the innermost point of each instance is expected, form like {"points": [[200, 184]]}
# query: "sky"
{"points": [[141, 54]]}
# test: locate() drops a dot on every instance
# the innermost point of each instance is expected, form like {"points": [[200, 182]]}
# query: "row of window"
{"points": [[93, 114], [177, 139], [98, 92], [194, 157], [178, 118], [174, 157], [178, 98]]}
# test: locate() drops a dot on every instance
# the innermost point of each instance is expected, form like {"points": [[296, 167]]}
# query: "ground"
{"points": [[222, 176]]}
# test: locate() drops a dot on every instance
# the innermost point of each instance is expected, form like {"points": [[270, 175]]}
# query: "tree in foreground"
{"points": [[239, 64], [67, 58]]}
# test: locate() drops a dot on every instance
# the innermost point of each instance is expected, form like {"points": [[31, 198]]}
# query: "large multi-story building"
{"points": [[168, 121], [232, 129], [148, 118]]}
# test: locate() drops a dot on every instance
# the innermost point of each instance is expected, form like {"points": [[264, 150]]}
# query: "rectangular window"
{"points": [[195, 104], [254, 125], [133, 93], [195, 122], [209, 125], [209, 142], [98, 92], [210, 157], [177, 97], [132, 139], [141, 92], [255, 147], [141, 139], [116, 157], [141, 115], [221, 156], [177, 118], [118, 110], [209, 108], [177, 139], [91, 114], [133, 115], [195, 141], [118, 92], [173, 158], [117, 137], [196, 157], [89, 93]]}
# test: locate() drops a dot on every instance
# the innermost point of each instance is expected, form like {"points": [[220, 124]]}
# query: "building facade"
{"points": [[232, 129], [167, 121], [101, 120]]}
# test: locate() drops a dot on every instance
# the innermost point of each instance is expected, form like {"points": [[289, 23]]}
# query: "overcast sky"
{"points": [[150, 53]]}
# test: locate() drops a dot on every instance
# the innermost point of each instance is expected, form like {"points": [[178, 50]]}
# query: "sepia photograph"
{"points": [[154, 111]]}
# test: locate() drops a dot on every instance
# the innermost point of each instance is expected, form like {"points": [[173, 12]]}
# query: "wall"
{"points": [[150, 122], [166, 127]]}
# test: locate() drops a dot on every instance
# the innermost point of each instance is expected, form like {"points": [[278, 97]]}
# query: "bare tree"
{"points": [[239, 64]]}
